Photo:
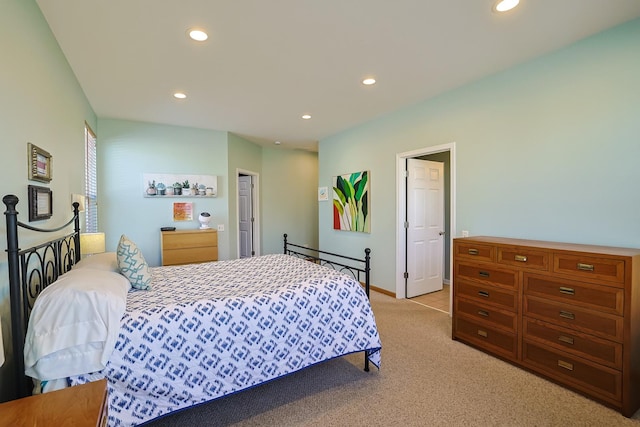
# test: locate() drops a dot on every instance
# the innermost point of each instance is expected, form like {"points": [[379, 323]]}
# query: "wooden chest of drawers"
{"points": [[564, 311], [188, 246]]}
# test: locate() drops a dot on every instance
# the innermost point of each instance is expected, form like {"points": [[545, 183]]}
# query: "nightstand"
{"points": [[188, 246], [81, 405]]}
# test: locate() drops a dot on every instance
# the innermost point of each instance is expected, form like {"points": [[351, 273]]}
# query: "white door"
{"points": [[425, 228], [245, 216]]}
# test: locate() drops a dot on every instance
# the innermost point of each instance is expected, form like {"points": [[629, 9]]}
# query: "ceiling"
{"points": [[266, 63]]}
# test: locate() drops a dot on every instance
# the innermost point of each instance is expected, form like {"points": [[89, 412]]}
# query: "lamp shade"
{"points": [[91, 243]]}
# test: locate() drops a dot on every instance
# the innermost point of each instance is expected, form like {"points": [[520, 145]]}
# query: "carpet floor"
{"points": [[426, 379]]}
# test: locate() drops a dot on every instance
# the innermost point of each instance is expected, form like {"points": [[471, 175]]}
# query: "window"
{"points": [[90, 181]]}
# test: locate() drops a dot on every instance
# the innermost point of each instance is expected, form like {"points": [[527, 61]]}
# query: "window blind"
{"points": [[91, 181]]}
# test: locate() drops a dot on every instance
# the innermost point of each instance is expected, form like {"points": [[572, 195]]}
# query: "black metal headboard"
{"points": [[30, 272]]}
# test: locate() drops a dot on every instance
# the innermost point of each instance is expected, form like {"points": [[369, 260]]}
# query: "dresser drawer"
{"points": [[487, 273], [524, 257], [495, 340], [601, 269], [603, 298], [596, 349], [489, 294], [592, 322], [188, 239], [582, 374], [486, 314], [472, 250]]}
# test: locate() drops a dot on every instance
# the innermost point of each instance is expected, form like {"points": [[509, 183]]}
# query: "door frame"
{"points": [[401, 207], [255, 200]]}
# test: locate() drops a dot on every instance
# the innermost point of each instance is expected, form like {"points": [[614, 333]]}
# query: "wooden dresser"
{"points": [[81, 405], [188, 246], [567, 312]]}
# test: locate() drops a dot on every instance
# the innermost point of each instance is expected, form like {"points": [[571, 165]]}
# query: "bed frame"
{"points": [[359, 270], [32, 270]]}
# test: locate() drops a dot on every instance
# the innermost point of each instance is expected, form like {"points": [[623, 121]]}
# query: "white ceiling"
{"points": [[268, 62]]}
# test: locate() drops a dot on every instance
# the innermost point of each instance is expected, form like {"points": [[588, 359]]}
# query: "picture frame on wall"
{"points": [[40, 203], [40, 168]]}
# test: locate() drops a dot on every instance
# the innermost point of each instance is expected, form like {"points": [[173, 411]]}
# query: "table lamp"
{"points": [[91, 243]]}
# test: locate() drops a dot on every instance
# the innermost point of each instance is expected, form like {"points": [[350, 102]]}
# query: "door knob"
{"points": [[441, 233]]}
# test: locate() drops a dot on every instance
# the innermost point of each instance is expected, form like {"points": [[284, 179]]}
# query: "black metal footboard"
{"points": [[359, 269]]}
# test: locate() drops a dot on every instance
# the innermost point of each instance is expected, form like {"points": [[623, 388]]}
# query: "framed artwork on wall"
{"points": [[351, 209], [40, 168], [182, 211], [40, 203]]}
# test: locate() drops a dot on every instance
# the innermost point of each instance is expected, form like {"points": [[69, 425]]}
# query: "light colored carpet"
{"points": [[427, 379]]}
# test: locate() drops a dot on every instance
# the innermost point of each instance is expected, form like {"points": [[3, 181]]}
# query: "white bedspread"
{"points": [[209, 330]]}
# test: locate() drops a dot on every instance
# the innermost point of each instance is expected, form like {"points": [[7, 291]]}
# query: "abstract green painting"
{"points": [[351, 202]]}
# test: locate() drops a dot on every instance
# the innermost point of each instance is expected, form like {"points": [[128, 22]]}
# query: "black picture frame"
{"points": [[40, 203]]}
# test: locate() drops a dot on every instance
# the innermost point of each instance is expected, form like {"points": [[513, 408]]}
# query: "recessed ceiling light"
{"points": [[180, 95], [198, 35], [306, 116], [505, 5], [369, 81]]}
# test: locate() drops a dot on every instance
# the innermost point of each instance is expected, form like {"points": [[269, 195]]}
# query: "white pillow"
{"points": [[75, 323], [132, 264], [106, 261]]}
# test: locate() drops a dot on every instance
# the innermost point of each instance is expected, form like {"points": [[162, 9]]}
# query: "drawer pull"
{"points": [[565, 339], [521, 258], [473, 251], [567, 315], [484, 294], [585, 267], [567, 291], [482, 333], [565, 365], [483, 313], [483, 273]]}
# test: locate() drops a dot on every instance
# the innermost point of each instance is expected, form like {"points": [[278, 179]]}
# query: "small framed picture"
{"points": [[40, 203], [183, 211], [39, 163], [323, 193]]}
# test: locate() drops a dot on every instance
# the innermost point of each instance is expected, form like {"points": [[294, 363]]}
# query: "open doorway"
{"points": [[247, 214], [445, 154]]}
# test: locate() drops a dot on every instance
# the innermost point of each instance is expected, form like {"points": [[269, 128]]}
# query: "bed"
{"points": [[202, 331]]}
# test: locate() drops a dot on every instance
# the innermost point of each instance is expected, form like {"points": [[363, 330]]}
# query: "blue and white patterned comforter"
{"points": [[209, 330]]}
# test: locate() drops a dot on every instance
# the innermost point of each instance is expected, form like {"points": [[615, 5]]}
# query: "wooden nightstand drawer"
{"points": [[603, 298], [592, 322], [601, 269], [487, 273], [524, 257], [596, 349], [492, 339], [489, 294], [582, 374], [475, 251]]}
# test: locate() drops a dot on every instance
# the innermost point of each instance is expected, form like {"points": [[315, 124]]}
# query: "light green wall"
{"points": [[545, 150], [127, 150], [244, 156], [40, 102], [289, 198]]}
